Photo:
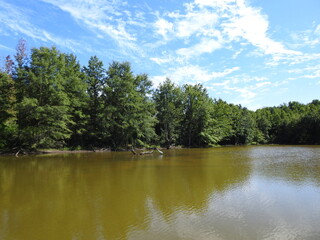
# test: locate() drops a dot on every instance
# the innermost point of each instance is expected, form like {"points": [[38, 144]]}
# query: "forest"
{"points": [[48, 100]]}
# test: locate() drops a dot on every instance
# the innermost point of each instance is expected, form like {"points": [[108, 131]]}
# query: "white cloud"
{"points": [[104, 17], [280, 83], [244, 89], [245, 78], [307, 38], [198, 22], [18, 22], [222, 4], [193, 74], [190, 74], [224, 84], [168, 58], [157, 80], [226, 72], [305, 58], [222, 22], [205, 46], [312, 68], [237, 85], [160, 61], [317, 29], [248, 23], [262, 84], [237, 54], [246, 94], [309, 72], [163, 27], [315, 74]]}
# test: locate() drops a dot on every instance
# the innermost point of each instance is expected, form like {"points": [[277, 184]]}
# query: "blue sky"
{"points": [[250, 52]]}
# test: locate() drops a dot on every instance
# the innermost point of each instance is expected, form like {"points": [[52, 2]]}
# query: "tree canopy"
{"points": [[47, 99]]}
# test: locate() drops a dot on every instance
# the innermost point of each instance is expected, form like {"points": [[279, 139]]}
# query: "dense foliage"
{"points": [[48, 100]]}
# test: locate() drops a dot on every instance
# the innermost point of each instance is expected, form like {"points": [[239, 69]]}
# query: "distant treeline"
{"points": [[47, 100]]}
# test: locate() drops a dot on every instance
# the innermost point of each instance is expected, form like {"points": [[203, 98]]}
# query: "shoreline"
{"points": [[22, 152], [49, 151], [58, 151]]}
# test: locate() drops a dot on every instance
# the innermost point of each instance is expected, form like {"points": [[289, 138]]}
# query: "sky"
{"points": [[257, 53]]}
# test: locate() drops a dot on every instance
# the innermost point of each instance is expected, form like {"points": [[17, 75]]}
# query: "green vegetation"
{"points": [[48, 101]]}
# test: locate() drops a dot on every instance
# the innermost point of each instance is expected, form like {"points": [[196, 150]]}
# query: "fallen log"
{"points": [[146, 152]]}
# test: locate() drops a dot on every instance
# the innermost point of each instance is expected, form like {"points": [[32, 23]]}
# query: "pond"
{"points": [[255, 192]]}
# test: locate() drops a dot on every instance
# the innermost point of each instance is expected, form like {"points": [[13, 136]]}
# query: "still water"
{"points": [[267, 192]]}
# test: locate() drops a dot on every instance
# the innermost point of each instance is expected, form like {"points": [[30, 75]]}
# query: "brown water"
{"points": [[224, 193]]}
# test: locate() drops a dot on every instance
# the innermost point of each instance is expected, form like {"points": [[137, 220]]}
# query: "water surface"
{"points": [[267, 192]]}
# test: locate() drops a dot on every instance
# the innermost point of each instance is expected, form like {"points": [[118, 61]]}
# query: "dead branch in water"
{"points": [[146, 152]]}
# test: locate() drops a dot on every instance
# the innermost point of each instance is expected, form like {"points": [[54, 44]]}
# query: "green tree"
{"points": [[197, 127], [221, 116], [312, 123], [43, 111], [305, 123], [8, 126], [95, 79], [244, 126], [128, 109], [264, 125], [168, 100], [75, 88]]}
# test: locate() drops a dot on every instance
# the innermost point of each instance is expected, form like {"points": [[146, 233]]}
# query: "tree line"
{"points": [[48, 100]]}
